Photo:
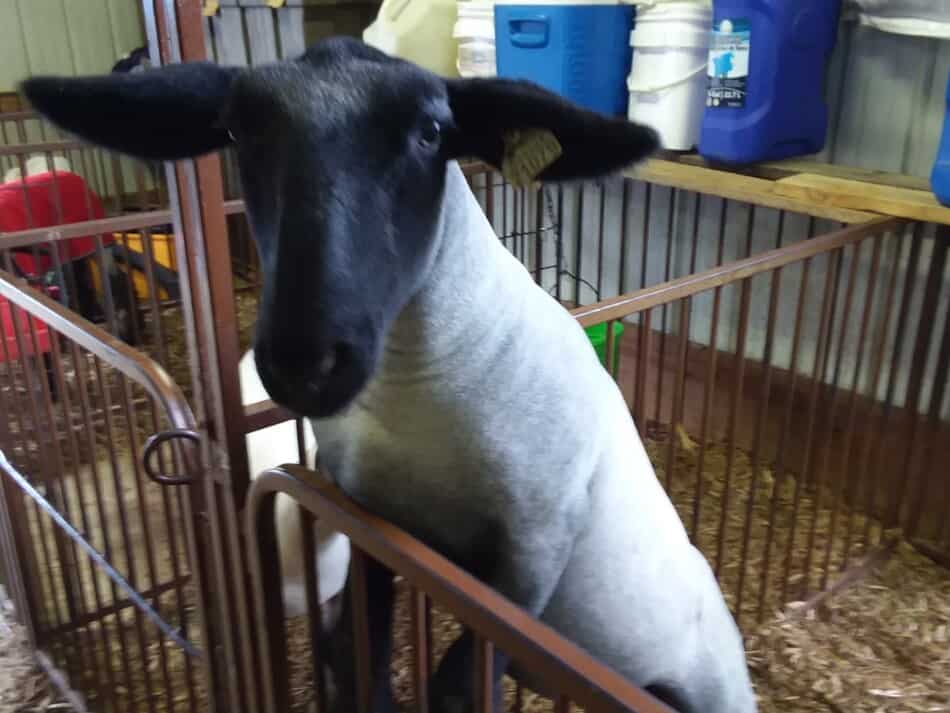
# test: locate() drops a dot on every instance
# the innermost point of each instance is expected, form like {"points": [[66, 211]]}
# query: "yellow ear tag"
{"points": [[275, 4], [527, 154], [210, 8]]}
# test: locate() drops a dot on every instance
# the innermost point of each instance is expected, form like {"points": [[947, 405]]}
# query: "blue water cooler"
{"points": [[940, 175], [579, 50], [766, 79]]}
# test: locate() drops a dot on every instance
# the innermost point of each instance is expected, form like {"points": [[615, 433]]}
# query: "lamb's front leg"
{"points": [[380, 596], [527, 572]]}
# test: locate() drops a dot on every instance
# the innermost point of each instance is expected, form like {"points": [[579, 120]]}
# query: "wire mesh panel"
{"points": [[100, 543], [434, 603], [768, 393]]}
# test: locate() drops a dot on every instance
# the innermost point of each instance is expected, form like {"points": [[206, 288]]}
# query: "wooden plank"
{"points": [[740, 188], [775, 170], [290, 26], [261, 34], [857, 195], [229, 37]]}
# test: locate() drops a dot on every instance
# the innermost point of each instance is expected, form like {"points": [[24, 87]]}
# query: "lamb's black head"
{"points": [[342, 154]]}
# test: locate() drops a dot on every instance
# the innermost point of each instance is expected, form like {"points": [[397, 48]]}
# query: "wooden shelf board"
{"points": [[841, 193]]}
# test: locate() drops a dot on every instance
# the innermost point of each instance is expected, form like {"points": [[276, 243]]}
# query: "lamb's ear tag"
{"points": [[209, 8], [527, 154]]}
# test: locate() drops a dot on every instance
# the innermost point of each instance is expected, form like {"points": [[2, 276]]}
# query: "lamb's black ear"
{"points": [[592, 144], [168, 113]]}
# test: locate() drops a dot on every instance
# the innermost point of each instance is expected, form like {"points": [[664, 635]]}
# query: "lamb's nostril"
{"points": [[327, 364]]}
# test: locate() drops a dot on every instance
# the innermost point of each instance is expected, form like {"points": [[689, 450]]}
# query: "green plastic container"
{"points": [[598, 337]]}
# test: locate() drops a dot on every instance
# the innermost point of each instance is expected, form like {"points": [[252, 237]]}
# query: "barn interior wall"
{"points": [[886, 108], [70, 38]]}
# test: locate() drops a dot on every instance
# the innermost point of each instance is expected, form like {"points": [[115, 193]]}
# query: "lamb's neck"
{"points": [[474, 290]]}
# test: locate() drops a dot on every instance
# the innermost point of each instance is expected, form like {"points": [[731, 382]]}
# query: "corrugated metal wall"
{"points": [[886, 100], [886, 95], [65, 36]]}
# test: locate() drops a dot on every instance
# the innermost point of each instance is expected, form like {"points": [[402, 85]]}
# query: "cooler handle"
{"points": [[529, 32]]}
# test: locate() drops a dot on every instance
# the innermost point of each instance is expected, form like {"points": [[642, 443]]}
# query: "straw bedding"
{"points": [[882, 645]]}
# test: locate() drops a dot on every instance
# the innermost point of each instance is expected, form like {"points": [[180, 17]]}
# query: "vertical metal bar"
{"points": [[600, 245], [645, 233], [538, 228], [622, 277], [419, 616], [579, 245], [85, 410], [667, 268], [926, 470], [32, 427], [174, 540], [928, 310], [361, 640], [76, 477], [709, 383], [845, 490], [877, 362], [128, 411], [132, 565], [483, 666], [609, 345], [735, 403], [559, 243], [823, 454], [761, 415], [314, 614], [158, 333], [779, 469], [639, 404], [824, 336], [679, 390], [874, 457]]}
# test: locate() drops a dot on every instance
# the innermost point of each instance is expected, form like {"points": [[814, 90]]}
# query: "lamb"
{"points": [[447, 391], [269, 448]]}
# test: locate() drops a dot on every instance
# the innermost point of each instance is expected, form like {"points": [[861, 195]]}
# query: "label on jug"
{"points": [[728, 70]]}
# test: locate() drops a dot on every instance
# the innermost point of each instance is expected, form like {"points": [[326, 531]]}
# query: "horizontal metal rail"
{"points": [[533, 644], [21, 481], [131, 362], [115, 224], [690, 285]]}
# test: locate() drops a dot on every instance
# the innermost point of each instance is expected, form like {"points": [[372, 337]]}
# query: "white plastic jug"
{"points": [[475, 32], [419, 31], [667, 81]]}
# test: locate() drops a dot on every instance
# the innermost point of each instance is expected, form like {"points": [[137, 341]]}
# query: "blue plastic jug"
{"points": [[578, 49], [940, 175], [766, 77]]}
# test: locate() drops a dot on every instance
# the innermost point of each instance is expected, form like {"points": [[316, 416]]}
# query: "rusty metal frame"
{"points": [[740, 272], [170, 400], [567, 668]]}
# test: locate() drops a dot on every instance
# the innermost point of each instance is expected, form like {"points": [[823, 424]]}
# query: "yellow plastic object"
{"points": [[163, 253], [419, 31]]}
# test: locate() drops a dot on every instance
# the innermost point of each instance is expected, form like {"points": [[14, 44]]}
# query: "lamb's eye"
{"points": [[430, 132]]}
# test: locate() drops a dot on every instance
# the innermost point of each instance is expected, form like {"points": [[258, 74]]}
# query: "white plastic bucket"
{"points": [[475, 32], [667, 81]]}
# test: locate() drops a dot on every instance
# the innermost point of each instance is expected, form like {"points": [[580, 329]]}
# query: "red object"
{"points": [[8, 333], [44, 200]]}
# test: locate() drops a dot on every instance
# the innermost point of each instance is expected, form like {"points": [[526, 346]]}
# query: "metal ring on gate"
{"points": [[151, 448]]}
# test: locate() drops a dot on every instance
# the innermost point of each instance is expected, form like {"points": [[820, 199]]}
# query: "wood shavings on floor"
{"points": [[881, 646], [24, 687]]}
